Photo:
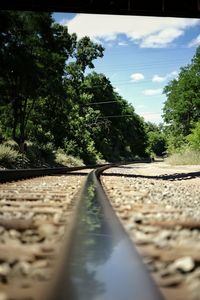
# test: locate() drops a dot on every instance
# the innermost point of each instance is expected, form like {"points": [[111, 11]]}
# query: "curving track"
{"points": [[57, 244]]}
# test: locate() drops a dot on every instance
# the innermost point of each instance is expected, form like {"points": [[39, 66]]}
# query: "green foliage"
{"points": [[33, 51], [86, 52], [176, 143], [194, 137], [48, 100], [118, 132], [8, 156], [39, 154], [182, 107], [12, 144], [157, 143], [156, 139], [67, 160]]}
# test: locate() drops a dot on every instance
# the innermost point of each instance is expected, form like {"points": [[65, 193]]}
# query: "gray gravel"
{"points": [[159, 206], [33, 218]]}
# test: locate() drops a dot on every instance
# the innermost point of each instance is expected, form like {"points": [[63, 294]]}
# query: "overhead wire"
{"points": [[102, 102]]}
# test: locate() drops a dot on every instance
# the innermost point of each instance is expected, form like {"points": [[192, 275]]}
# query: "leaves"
{"points": [[47, 98], [182, 107]]}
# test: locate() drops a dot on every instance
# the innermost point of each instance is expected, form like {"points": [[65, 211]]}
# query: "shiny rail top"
{"points": [[102, 262]]}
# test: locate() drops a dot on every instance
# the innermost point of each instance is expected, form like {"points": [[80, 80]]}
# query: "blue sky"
{"points": [[141, 53]]}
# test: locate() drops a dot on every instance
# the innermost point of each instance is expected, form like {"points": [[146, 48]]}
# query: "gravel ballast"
{"points": [[159, 207], [34, 216]]}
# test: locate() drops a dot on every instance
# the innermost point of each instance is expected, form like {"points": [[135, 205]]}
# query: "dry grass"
{"points": [[8, 156], [67, 160], [189, 157]]}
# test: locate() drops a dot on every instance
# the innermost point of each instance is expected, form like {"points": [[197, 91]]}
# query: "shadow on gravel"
{"points": [[171, 177], [133, 167]]}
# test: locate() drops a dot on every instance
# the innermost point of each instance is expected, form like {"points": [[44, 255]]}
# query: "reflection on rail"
{"points": [[101, 261]]}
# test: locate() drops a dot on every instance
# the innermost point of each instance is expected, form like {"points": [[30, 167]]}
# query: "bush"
{"points": [[176, 144], [194, 137], [67, 160], [157, 143], [9, 157], [12, 144]]}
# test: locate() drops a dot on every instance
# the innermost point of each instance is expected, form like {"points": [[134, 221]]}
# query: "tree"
{"points": [[51, 101], [182, 107], [86, 52], [120, 130], [156, 139], [33, 51]]}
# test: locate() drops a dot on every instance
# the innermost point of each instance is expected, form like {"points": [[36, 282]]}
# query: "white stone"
{"points": [[4, 269], [185, 264], [47, 230], [3, 296]]}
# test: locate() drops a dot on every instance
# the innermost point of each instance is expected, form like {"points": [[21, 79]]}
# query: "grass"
{"points": [[67, 160], [35, 156], [9, 157], [189, 157]]}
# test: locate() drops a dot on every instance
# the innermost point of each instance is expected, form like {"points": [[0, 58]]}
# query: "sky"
{"points": [[142, 54]]}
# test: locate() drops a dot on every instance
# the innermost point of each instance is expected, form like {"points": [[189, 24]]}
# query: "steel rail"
{"points": [[101, 262], [18, 174]]}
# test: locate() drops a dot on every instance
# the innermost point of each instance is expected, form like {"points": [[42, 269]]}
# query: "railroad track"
{"points": [[17, 174], [34, 216], [60, 244]]}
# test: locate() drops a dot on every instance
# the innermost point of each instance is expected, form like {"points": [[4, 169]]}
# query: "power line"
{"points": [[115, 116], [103, 102], [138, 51]]}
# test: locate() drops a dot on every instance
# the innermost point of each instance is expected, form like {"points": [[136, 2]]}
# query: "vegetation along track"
{"points": [[159, 207], [94, 259]]}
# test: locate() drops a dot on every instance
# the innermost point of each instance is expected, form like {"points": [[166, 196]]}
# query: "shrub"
{"points": [[157, 143], [9, 157], [12, 144], [176, 144], [194, 137], [67, 160]]}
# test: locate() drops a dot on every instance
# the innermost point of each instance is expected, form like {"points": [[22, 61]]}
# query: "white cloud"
{"points": [[158, 78], [122, 44], [151, 32], [152, 92], [137, 77], [195, 42], [117, 90], [172, 74], [152, 117], [161, 39]]}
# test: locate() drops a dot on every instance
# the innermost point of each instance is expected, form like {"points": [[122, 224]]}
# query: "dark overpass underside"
{"points": [[163, 8]]}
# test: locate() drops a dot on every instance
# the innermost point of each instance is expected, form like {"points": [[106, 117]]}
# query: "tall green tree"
{"points": [[120, 130], [49, 98], [156, 139], [33, 51], [182, 107]]}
